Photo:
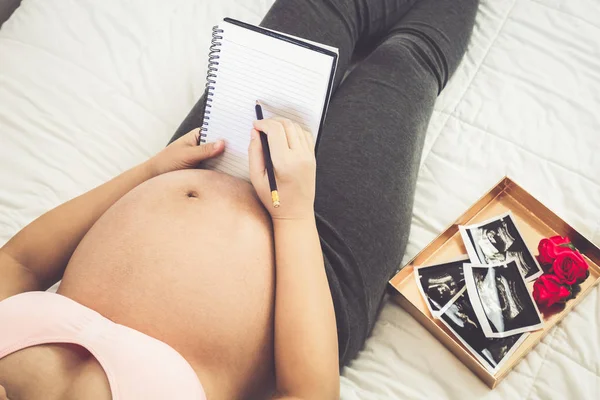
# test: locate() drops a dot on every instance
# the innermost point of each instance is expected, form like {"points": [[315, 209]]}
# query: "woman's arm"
{"points": [[306, 352], [41, 250], [36, 257], [306, 349]]}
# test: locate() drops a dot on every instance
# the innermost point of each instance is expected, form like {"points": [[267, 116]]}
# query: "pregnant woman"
{"points": [[182, 283]]}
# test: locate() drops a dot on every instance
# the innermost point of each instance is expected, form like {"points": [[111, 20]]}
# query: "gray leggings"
{"points": [[370, 147]]}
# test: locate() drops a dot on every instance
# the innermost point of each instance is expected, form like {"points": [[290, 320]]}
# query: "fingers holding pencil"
{"points": [[276, 137], [255, 156], [285, 135], [294, 167], [267, 157]]}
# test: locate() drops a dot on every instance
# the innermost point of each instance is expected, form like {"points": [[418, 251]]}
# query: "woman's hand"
{"points": [[292, 152], [184, 153]]}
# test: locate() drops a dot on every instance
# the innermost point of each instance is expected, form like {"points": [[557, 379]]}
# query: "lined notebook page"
{"points": [[289, 80]]}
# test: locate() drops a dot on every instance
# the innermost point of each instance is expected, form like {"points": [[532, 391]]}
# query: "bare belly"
{"points": [[187, 258]]}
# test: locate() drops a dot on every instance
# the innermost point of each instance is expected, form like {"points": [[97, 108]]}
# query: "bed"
{"points": [[89, 88]]}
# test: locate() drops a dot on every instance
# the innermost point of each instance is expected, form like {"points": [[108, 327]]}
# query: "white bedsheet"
{"points": [[89, 88]]}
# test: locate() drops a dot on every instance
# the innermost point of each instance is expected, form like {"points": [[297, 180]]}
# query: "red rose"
{"points": [[570, 267], [550, 247], [547, 290]]}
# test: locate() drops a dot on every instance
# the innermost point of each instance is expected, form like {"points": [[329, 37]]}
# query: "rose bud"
{"points": [[570, 267], [547, 291], [550, 247]]}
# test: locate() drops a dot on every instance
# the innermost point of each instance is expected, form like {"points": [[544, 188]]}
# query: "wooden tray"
{"points": [[535, 222]]}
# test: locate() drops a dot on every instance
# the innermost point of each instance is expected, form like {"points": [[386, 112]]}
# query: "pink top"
{"points": [[137, 366]]}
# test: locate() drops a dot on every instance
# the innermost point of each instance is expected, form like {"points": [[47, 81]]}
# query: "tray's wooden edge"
{"points": [[547, 327], [505, 186], [448, 341], [436, 243], [464, 356], [553, 220]]}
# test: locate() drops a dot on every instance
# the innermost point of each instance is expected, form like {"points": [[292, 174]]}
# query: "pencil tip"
{"points": [[257, 103]]}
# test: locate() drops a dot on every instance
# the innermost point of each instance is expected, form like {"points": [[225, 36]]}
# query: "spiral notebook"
{"points": [[290, 76]]}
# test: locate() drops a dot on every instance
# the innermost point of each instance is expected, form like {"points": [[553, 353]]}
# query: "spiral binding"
{"points": [[211, 77]]}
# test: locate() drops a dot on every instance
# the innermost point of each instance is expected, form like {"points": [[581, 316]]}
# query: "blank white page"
{"points": [[289, 80]]}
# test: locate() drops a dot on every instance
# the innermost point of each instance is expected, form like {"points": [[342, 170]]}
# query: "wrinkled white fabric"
{"points": [[525, 103]]}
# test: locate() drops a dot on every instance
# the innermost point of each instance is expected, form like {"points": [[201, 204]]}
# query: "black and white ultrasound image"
{"points": [[499, 241], [442, 282], [505, 298], [461, 318]]}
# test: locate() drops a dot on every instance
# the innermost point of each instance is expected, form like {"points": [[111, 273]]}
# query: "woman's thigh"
{"points": [[369, 155]]}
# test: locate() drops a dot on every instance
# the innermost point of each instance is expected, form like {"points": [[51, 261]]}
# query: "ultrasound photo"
{"points": [[460, 318], [440, 283], [501, 300], [498, 240]]}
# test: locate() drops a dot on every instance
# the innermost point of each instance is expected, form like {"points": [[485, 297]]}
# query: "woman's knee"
{"points": [[437, 33], [416, 49]]}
